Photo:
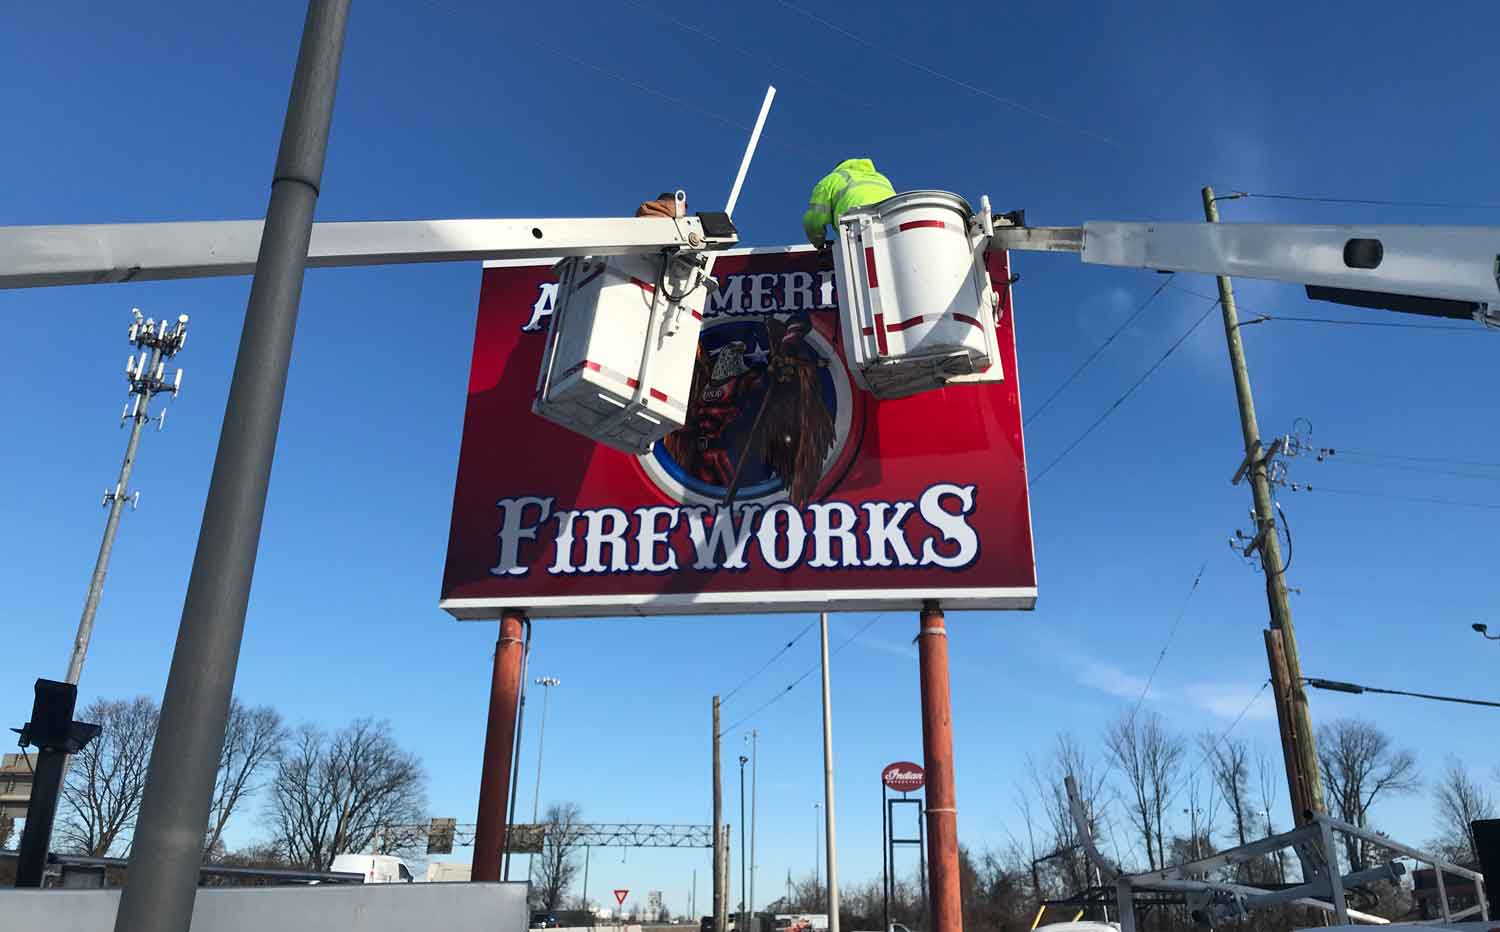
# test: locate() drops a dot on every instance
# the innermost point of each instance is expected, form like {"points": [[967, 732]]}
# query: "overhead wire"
{"points": [[1121, 400], [1171, 633], [1100, 349], [1342, 687], [782, 694], [957, 82], [1489, 506], [1414, 468], [1341, 451], [765, 666], [1377, 202], [677, 101], [758, 56]]}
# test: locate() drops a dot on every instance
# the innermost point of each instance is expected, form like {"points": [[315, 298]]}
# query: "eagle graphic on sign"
{"points": [[757, 405]]}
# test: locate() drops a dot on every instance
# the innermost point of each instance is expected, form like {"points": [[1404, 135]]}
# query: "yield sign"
{"points": [[620, 897]]}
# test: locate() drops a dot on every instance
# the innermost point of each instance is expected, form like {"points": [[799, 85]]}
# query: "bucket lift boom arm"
{"points": [[35, 256], [1443, 271]]}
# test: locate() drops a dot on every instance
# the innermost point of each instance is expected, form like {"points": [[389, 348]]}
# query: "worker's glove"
{"points": [[666, 207], [818, 239]]}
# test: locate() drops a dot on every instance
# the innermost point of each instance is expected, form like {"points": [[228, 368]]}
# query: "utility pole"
{"points": [[147, 378], [1305, 789], [833, 846], [167, 850], [496, 783], [721, 915]]}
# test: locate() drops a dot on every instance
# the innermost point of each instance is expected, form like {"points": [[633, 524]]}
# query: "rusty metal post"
{"points": [[937, 751], [499, 743]]}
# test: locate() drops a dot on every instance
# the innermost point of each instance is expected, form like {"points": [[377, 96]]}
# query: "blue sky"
{"points": [[172, 112]]}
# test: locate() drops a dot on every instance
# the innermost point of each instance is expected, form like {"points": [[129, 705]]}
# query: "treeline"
{"points": [[311, 794]]}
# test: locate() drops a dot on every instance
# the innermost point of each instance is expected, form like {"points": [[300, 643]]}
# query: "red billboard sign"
{"points": [[903, 776], [917, 498]]}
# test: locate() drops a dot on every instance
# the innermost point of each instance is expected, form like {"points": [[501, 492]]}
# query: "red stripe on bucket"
{"points": [[911, 322], [659, 396], [644, 286], [968, 320], [921, 224], [592, 366], [870, 268], [880, 334], [696, 315]]}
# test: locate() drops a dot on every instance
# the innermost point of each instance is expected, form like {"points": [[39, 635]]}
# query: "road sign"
{"points": [[903, 776], [620, 897], [840, 501]]}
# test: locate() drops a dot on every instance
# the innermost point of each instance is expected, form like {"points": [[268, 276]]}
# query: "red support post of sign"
{"points": [[499, 746], [937, 752]]}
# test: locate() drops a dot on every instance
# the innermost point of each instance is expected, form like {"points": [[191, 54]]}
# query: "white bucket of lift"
{"points": [[916, 304], [621, 344]]}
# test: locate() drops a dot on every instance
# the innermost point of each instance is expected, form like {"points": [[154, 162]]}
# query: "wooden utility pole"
{"points": [[721, 916], [1303, 784]]}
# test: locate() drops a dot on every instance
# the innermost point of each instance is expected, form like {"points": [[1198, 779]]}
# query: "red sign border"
{"points": [[646, 605]]}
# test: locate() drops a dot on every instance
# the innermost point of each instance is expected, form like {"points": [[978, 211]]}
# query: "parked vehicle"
{"points": [[376, 868]]}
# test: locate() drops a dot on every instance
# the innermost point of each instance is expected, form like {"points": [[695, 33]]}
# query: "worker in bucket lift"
{"points": [[852, 183], [665, 205]]}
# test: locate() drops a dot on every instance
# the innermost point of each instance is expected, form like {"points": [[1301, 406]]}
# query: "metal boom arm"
{"points": [[1443, 271], [38, 256]]}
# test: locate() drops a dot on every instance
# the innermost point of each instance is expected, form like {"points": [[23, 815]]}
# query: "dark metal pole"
{"points": [[168, 846], [46, 781]]}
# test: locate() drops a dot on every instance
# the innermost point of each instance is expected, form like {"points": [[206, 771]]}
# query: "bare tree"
{"points": [[1068, 760], [1460, 801], [1359, 766], [1266, 777], [102, 794], [554, 869], [252, 739], [1150, 758], [333, 794], [1229, 763]]}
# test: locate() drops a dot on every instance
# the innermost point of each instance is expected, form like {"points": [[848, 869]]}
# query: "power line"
{"points": [[1490, 506], [676, 101], [1412, 467], [1223, 736], [1172, 632], [755, 55], [1121, 400], [1445, 205], [933, 72], [1101, 348], [774, 657], [798, 681], [1416, 459], [1342, 687]]}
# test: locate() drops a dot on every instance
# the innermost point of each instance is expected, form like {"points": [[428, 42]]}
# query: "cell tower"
{"points": [[153, 343]]}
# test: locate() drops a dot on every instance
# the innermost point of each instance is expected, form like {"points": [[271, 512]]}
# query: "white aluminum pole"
{"points": [[833, 874], [739, 179]]}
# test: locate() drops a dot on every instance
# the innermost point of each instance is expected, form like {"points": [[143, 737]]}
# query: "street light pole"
{"points": [[754, 740], [817, 844], [744, 918], [546, 682]]}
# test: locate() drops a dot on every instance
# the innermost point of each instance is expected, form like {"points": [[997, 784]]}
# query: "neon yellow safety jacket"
{"points": [[852, 183]]}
